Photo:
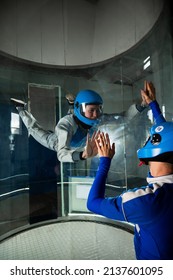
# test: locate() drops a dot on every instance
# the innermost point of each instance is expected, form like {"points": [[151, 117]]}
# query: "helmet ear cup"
{"points": [[159, 146], [76, 104]]}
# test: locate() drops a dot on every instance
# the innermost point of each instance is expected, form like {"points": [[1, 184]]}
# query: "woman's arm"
{"points": [[149, 98], [97, 202]]}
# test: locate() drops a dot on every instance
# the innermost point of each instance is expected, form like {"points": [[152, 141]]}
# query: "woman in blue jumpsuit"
{"points": [[149, 207]]}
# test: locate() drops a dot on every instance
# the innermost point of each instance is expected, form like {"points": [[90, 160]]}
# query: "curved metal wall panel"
{"points": [[71, 33], [122, 24]]}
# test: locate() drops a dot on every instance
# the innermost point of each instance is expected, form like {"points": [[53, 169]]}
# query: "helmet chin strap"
{"points": [[141, 163]]}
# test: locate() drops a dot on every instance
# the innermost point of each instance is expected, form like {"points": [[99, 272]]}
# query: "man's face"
{"points": [[92, 111]]}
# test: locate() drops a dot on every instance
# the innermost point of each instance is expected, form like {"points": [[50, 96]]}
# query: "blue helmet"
{"points": [[83, 98], [159, 146]]}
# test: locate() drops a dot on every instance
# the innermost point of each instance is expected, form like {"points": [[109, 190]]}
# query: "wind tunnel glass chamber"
{"points": [[42, 200]]}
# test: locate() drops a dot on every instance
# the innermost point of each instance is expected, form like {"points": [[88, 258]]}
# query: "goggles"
{"points": [[98, 108]]}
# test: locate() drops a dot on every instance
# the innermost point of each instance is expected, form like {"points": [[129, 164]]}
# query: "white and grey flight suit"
{"points": [[69, 138]]}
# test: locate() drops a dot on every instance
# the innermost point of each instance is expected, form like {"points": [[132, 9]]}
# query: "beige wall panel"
{"points": [[79, 31], [8, 30], [52, 33], [29, 30]]}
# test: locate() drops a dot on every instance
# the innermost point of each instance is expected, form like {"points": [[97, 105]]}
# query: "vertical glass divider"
{"points": [[124, 139], [61, 163]]}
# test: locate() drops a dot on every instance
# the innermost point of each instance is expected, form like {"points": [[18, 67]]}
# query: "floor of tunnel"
{"points": [[70, 240]]}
